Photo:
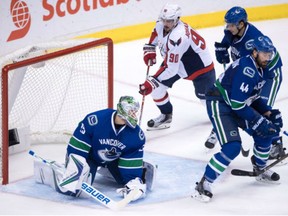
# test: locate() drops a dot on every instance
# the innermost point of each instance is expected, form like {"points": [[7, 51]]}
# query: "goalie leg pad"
{"points": [[149, 174], [77, 171], [45, 174]]}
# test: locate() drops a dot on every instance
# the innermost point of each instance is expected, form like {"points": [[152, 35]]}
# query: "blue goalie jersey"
{"points": [[99, 141]]}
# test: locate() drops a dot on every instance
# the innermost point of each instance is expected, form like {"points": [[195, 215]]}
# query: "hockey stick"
{"points": [[49, 163], [105, 200], [143, 97], [252, 173], [238, 172], [245, 153], [91, 191]]}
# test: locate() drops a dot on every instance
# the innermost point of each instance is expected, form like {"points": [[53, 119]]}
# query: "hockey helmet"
{"points": [[263, 44], [235, 15], [127, 109], [170, 12]]}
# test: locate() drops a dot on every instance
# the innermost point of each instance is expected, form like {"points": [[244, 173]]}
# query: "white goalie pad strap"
{"points": [[77, 171]]}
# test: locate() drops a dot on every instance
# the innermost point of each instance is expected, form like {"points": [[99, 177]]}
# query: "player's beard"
{"points": [[262, 64]]}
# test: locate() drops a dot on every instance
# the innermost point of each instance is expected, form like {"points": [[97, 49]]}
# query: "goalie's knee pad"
{"points": [[149, 174], [77, 171]]}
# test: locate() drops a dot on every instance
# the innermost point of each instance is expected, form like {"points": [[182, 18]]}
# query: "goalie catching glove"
{"points": [[149, 54], [132, 185], [147, 87]]}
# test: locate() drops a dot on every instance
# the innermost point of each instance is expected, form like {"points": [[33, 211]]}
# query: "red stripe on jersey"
{"points": [[162, 99], [200, 72]]}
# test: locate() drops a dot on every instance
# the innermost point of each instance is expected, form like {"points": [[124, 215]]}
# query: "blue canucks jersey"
{"points": [[240, 86], [242, 46], [98, 140]]}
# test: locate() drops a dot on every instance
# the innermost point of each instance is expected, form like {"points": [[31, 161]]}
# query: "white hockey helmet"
{"points": [[170, 12]]}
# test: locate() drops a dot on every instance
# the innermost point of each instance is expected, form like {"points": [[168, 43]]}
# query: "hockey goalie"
{"points": [[107, 142]]}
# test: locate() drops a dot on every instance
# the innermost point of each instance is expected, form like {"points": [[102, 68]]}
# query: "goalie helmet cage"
{"points": [[60, 83]]}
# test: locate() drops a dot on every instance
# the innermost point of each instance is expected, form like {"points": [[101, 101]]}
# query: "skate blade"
{"points": [[160, 127], [200, 197], [265, 181]]}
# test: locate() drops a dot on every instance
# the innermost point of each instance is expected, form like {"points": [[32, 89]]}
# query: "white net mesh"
{"points": [[52, 96]]}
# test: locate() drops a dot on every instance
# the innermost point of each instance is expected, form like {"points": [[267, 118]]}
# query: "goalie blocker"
{"points": [[69, 180]]}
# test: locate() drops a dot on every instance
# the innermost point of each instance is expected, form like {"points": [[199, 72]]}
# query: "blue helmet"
{"points": [[235, 15], [263, 44]]}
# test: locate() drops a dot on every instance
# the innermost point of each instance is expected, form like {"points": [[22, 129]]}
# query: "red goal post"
{"points": [[48, 88]]}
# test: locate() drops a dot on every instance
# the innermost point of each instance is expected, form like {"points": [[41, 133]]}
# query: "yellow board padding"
{"points": [[139, 31]]}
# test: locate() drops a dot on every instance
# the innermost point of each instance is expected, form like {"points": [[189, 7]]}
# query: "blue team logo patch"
{"points": [[92, 120], [249, 72], [141, 135], [249, 44]]}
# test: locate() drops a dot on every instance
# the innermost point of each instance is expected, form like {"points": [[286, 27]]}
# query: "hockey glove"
{"points": [[149, 54], [262, 127], [134, 184], [222, 54], [276, 118], [147, 87]]}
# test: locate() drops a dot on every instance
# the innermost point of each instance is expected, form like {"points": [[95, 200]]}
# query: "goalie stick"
{"points": [[90, 190], [49, 163], [104, 199], [238, 172]]}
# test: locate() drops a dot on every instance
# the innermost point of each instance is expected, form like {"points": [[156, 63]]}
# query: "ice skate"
{"points": [[202, 191], [268, 176], [277, 149], [211, 140], [161, 122]]}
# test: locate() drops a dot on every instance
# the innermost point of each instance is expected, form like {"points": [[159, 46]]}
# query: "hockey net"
{"points": [[48, 88]]}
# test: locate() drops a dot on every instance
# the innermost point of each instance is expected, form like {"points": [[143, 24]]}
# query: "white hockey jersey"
{"points": [[184, 52]]}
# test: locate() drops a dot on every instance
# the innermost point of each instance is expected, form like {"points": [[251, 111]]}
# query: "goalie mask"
{"points": [[127, 109]]}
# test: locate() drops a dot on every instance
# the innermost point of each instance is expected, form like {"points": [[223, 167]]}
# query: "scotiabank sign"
{"points": [[23, 20], [63, 7]]}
